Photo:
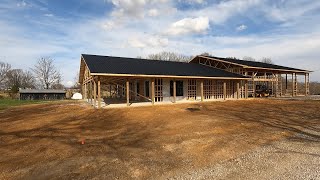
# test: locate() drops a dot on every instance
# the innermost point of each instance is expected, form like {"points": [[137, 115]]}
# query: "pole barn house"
{"points": [[108, 80]]}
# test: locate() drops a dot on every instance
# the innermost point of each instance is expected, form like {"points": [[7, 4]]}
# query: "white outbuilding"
{"points": [[77, 96]]}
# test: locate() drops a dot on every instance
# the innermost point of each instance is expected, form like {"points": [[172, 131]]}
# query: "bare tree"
{"points": [[248, 58], [267, 60], [4, 69], [205, 54], [169, 56], [17, 78], [46, 73]]}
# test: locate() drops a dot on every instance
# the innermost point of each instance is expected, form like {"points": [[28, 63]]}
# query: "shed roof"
{"points": [[41, 91], [136, 66], [254, 64]]}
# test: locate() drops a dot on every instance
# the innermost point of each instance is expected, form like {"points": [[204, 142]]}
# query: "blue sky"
{"points": [[287, 31]]}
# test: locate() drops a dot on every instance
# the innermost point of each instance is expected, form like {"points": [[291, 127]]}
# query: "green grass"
{"points": [[7, 103]]}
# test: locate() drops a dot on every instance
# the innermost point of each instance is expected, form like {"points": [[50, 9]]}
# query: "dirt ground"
{"points": [[44, 141]]}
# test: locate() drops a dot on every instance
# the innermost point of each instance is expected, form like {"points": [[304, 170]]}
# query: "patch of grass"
{"points": [[7, 103]]}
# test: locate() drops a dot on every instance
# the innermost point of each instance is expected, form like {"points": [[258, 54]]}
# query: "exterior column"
{"points": [[306, 79], [246, 89], [295, 84], [128, 92], [238, 90], [95, 93], [224, 90], [201, 90], [292, 84], [99, 93], [253, 86], [152, 91], [174, 91], [277, 86], [85, 91]]}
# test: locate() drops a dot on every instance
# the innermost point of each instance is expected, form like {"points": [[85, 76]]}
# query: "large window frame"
{"points": [[179, 88]]}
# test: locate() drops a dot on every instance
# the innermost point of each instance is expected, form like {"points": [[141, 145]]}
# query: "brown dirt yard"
{"points": [[155, 142]]}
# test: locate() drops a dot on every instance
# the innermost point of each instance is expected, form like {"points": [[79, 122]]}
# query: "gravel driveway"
{"points": [[294, 158]]}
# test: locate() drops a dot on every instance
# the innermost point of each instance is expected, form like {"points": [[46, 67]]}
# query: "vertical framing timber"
{"points": [[99, 93], [238, 89], [307, 85], [192, 89], [295, 84], [152, 91], [174, 90], [224, 90], [253, 86], [128, 92], [277, 86], [201, 89], [85, 91], [95, 93], [246, 92], [292, 85]]}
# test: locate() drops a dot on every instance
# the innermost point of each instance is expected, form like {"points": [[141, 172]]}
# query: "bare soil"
{"points": [[44, 141]]}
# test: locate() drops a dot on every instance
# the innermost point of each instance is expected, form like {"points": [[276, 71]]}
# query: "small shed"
{"points": [[42, 94]]}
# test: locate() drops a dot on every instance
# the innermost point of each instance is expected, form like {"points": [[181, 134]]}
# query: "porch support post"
{"points": [[174, 91], [292, 84], [295, 85], [152, 91], [224, 90], [128, 92], [306, 81], [253, 86], [95, 93], [201, 90], [238, 90], [277, 86], [85, 91], [99, 93], [246, 89]]}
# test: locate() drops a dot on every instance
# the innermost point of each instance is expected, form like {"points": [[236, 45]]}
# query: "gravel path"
{"points": [[297, 158]]}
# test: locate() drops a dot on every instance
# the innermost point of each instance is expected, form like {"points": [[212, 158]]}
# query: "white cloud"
{"points": [[189, 26], [241, 27], [153, 12], [151, 41], [48, 15], [22, 4]]}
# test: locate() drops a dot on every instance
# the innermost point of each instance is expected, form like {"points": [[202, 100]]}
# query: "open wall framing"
{"points": [[280, 82]]}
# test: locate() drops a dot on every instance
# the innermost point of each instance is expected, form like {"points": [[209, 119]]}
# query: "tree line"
{"points": [[43, 75]]}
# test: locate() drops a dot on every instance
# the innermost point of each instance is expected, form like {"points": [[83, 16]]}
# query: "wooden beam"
{"points": [[85, 92], [95, 93], [224, 90], [292, 84], [128, 92], [99, 93], [201, 90], [152, 91], [238, 90], [246, 90], [174, 90]]}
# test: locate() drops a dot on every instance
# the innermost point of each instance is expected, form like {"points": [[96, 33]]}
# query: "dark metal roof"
{"points": [[137, 66], [256, 64], [42, 91]]}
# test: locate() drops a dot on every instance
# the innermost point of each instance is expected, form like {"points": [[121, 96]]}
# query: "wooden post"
{"points": [[277, 86], [95, 93], [152, 91], [85, 92], [253, 86], [295, 85], [174, 91], [201, 90], [238, 90], [292, 85], [246, 89], [128, 92], [99, 93], [224, 90]]}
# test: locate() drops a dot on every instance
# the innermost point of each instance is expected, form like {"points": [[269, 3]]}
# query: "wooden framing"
{"points": [[128, 92], [192, 89], [224, 90], [99, 93], [201, 90], [152, 91], [174, 90]]}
